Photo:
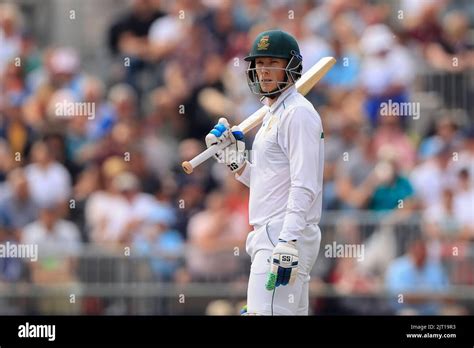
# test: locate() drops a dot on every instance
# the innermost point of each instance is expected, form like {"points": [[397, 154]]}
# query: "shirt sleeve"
{"points": [[300, 139], [244, 178]]}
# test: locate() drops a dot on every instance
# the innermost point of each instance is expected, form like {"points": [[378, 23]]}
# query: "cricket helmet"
{"points": [[275, 44]]}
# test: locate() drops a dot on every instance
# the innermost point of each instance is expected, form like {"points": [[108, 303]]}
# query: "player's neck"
{"points": [[271, 101]]}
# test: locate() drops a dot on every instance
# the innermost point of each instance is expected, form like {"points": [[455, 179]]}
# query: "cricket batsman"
{"points": [[285, 179]]}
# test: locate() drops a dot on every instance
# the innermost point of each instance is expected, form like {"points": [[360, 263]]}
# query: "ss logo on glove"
{"points": [[284, 265]]}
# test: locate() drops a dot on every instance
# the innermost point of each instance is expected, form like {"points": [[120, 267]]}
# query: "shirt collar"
{"points": [[289, 91]]}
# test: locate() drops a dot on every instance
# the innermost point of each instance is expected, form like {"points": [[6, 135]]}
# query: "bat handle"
{"points": [[188, 166]]}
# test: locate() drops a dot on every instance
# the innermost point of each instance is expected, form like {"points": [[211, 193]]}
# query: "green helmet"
{"points": [[276, 44]]}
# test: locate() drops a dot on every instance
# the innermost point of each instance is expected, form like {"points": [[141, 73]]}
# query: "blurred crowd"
{"points": [[108, 175]]}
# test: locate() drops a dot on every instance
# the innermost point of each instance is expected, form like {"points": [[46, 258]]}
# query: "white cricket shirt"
{"points": [[286, 174]]}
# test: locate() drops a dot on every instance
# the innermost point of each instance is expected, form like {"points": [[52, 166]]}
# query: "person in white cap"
{"points": [[386, 71]]}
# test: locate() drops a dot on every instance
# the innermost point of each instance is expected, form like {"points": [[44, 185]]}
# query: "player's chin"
{"points": [[267, 87]]}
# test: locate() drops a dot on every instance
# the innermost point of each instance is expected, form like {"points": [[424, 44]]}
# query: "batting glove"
{"points": [[245, 312], [234, 154], [284, 265]]}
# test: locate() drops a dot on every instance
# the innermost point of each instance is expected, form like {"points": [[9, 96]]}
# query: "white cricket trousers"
{"points": [[283, 300]]}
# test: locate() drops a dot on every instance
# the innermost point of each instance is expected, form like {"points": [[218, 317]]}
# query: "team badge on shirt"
{"points": [[271, 122]]}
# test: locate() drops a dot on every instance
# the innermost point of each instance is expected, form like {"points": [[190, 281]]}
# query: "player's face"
{"points": [[270, 71]]}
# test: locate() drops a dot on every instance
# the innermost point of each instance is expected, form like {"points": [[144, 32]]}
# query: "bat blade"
{"points": [[313, 75], [303, 86]]}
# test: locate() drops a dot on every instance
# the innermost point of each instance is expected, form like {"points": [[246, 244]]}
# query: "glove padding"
{"points": [[284, 265], [234, 154]]}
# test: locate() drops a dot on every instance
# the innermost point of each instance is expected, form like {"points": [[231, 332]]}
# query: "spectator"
{"points": [[464, 204], [7, 162], [429, 177], [148, 180], [392, 190], [162, 129], [446, 134], [412, 275], [353, 173], [56, 143], [347, 278], [124, 101], [213, 236], [93, 91], [249, 14], [161, 244], [16, 203], [192, 189], [386, 72], [130, 31], [441, 220], [13, 128], [48, 180], [10, 29], [342, 142], [12, 269], [166, 32], [128, 38], [466, 155], [59, 243], [61, 70], [126, 212], [116, 144], [88, 182], [390, 134], [453, 50], [76, 142], [422, 22], [101, 203], [345, 73], [190, 199]]}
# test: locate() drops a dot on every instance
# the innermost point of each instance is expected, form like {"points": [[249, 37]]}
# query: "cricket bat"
{"points": [[303, 86]]}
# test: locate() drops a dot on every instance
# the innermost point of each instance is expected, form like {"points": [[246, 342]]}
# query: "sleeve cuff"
{"points": [[244, 178]]}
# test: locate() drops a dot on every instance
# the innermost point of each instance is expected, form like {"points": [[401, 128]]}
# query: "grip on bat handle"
{"points": [[187, 167]]}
